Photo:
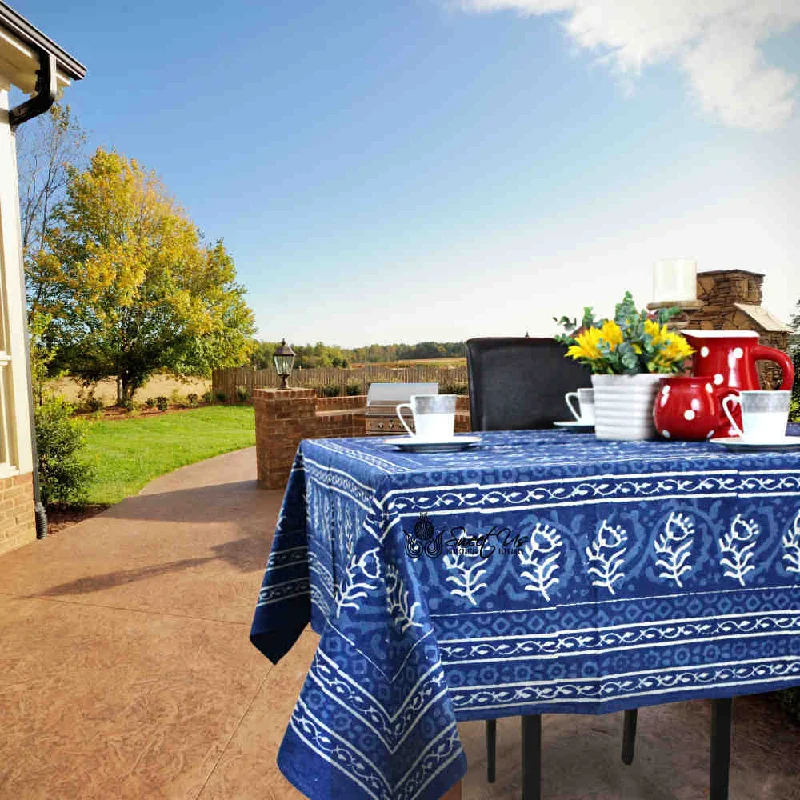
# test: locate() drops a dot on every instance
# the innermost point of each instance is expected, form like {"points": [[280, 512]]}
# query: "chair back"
{"points": [[520, 383]]}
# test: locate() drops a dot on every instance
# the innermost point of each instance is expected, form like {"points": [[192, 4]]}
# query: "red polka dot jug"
{"points": [[690, 409], [728, 359]]}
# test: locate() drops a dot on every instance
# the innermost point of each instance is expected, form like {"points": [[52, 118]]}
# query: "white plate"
{"points": [[787, 443], [414, 445], [575, 426]]}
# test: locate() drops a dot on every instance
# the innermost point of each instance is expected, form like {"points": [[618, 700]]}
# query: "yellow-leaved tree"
{"points": [[133, 288]]}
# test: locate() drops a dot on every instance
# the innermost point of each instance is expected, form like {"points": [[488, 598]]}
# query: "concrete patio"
{"points": [[127, 672]]}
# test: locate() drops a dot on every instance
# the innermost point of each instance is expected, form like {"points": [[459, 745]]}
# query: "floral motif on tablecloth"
{"points": [[606, 555], [468, 569], [736, 548], [405, 613], [541, 557], [791, 544], [673, 547], [362, 576]]}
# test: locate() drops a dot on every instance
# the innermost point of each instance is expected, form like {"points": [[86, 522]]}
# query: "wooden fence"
{"points": [[231, 382]]}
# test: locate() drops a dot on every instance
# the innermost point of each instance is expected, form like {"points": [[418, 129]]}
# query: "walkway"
{"points": [[126, 672]]}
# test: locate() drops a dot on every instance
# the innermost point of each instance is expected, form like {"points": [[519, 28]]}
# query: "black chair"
{"points": [[520, 384]]}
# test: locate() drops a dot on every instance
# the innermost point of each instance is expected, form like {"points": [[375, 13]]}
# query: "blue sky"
{"points": [[402, 170]]}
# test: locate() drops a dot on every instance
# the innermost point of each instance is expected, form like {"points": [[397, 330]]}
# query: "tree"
{"points": [[46, 149], [131, 286]]}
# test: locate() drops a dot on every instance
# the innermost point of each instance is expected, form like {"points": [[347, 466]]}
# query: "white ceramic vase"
{"points": [[623, 406]]}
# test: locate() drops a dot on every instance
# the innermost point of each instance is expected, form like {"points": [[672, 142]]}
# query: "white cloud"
{"points": [[716, 42]]}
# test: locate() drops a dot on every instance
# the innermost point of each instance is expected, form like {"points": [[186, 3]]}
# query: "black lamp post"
{"points": [[284, 361]]}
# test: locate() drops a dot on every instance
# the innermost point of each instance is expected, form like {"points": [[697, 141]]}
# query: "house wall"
{"points": [[17, 526], [16, 493]]}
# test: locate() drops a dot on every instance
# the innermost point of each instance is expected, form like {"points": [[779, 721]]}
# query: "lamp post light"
{"points": [[284, 361]]}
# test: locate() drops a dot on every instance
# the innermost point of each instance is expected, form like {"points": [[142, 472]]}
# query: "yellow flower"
{"points": [[673, 348], [611, 333], [586, 345], [656, 331]]}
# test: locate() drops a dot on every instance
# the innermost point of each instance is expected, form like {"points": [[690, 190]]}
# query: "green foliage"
{"points": [[126, 404], [131, 286], [352, 389], [60, 441], [92, 403], [150, 402], [207, 397], [406, 352], [454, 388], [192, 398], [162, 403], [322, 355], [794, 410], [332, 390], [221, 397]]}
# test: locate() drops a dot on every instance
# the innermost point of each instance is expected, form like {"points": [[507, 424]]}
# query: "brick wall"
{"points": [[17, 525], [284, 417]]}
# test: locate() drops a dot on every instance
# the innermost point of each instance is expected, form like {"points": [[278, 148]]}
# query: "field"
{"points": [[157, 386], [412, 362], [129, 453]]}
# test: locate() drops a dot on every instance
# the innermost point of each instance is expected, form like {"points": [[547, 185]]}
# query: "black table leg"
{"points": [[491, 749], [721, 713], [629, 735], [532, 757]]}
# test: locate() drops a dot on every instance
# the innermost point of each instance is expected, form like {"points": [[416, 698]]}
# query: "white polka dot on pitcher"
{"points": [[704, 352], [666, 434], [738, 352], [695, 404], [709, 388], [717, 379], [688, 414]]}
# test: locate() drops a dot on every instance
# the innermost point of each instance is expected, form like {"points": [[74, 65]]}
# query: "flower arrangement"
{"points": [[632, 343]]}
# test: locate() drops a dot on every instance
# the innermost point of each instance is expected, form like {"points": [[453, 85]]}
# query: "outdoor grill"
{"points": [[382, 401]]}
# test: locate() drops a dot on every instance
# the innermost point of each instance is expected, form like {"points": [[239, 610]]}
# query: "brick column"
{"points": [[280, 417]]}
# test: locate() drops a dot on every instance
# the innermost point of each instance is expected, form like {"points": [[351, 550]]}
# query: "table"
{"points": [[541, 572]]}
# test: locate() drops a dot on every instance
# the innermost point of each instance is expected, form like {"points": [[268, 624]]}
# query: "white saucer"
{"points": [[787, 443], [576, 426], [414, 445]]}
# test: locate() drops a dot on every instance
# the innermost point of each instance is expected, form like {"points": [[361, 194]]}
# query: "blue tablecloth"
{"points": [[541, 572]]}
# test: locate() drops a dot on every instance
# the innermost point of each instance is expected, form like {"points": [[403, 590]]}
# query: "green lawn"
{"points": [[128, 453]]}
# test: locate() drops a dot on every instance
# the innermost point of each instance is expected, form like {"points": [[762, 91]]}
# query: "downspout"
{"points": [[46, 94]]}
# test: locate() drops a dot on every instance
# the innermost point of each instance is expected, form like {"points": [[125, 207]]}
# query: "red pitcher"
{"points": [[728, 358]]}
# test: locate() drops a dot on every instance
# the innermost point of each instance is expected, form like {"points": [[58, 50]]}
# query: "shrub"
{"points": [[329, 391], [207, 397], [192, 398], [162, 403], [454, 388], [242, 394], [221, 397], [176, 398], [794, 410], [126, 405], [352, 389], [60, 438], [150, 402], [92, 403]]}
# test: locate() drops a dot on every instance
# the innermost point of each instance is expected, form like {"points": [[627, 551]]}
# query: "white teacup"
{"points": [[765, 414], [434, 416], [584, 412]]}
